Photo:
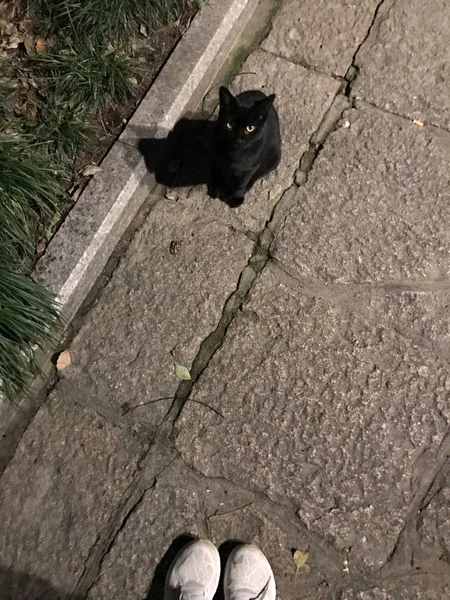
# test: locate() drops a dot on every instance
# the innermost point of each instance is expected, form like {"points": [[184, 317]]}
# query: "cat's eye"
{"points": [[229, 125], [250, 128]]}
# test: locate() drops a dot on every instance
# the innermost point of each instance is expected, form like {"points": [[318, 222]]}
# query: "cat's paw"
{"points": [[214, 190], [235, 201]]}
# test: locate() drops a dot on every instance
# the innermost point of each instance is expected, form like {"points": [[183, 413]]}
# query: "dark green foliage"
{"points": [[103, 20], [30, 194], [88, 80], [28, 319]]}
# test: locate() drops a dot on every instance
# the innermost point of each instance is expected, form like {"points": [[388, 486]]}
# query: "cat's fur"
{"points": [[241, 157]]}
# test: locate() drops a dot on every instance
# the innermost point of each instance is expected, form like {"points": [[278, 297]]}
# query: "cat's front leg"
{"points": [[235, 201], [238, 195], [215, 187]]}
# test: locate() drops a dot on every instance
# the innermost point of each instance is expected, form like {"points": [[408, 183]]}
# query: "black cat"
{"points": [[246, 146]]}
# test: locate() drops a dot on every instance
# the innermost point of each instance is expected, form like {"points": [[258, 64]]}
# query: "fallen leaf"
{"points": [[143, 30], [91, 170], [14, 42], [30, 44], [182, 372], [133, 80], [64, 360], [40, 248], [300, 558], [76, 194], [171, 195], [418, 123], [276, 192], [41, 45]]}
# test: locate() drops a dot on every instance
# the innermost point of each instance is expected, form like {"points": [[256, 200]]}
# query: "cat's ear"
{"points": [[227, 100], [262, 107]]}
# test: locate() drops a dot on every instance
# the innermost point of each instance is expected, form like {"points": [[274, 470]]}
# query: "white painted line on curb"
{"points": [[99, 237]]}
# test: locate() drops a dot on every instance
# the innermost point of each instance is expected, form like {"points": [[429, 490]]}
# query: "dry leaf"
{"points": [[30, 44], [300, 558], [64, 360], [143, 29], [41, 45], [40, 248], [418, 123], [76, 194], [276, 192], [171, 195], [14, 41], [182, 372], [91, 170], [133, 80]]}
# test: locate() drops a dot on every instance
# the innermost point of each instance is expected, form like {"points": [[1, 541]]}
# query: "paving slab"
{"points": [[323, 35], [302, 99], [407, 70], [142, 551], [336, 398], [405, 592], [376, 206], [76, 468], [165, 297]]}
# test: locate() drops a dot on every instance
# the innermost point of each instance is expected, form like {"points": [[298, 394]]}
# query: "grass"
{"points": [[30, 194], [28, 319], [109, 21], [66, 131], [89, 79]]}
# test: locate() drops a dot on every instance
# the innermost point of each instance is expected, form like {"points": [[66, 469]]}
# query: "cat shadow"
{"points": [[184, 157], [16, 585], [156, 590]]}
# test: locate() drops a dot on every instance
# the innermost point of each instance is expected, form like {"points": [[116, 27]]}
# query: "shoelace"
{"points": [[245, 594]]}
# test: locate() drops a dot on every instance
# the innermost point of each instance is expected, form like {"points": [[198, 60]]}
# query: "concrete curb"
{"points": [[78, 254]]}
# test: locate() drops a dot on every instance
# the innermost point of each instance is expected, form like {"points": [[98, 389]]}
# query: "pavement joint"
{"points": [[287, 511], [305, 65], [359, 103], [145, 478], [423, 487], [380, 14]]}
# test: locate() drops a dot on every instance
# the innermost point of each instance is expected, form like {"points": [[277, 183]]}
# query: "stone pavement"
{"points": [[315, 322]]}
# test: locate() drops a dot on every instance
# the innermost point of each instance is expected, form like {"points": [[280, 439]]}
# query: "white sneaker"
{"points": [[248, 575], [194, 573]]}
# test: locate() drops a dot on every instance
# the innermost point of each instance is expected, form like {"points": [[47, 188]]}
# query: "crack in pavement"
{"points": [[380, 14], [146, 475], [423, 487]]}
